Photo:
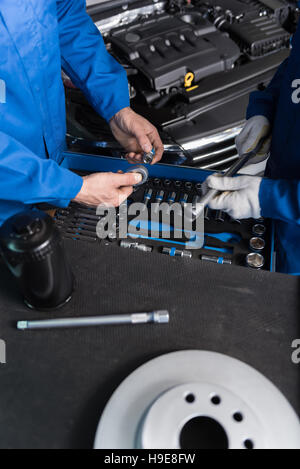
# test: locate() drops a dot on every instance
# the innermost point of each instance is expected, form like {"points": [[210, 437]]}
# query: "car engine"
{"points": [[258, 27], [191, 65], [177, 46], [166, 47]]}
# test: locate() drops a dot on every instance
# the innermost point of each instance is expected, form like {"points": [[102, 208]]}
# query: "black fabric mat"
{"points": [[56, 383]]}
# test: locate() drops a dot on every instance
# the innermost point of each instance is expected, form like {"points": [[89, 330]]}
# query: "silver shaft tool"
{"points": [[158, 317], [196, 210], [137, 246]]}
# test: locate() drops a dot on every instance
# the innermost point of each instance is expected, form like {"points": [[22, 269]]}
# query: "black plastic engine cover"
{"points": [[260, 37], [166, 47]]}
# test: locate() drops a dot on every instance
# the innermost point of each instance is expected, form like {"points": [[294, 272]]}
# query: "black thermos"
{"points": [[32, 249]]}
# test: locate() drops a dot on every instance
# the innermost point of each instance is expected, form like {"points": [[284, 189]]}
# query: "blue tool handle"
{"points": [[217, 249], [225, 237]]}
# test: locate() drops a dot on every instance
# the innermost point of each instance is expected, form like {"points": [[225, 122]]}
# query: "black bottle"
{"points": [[33, 250]]}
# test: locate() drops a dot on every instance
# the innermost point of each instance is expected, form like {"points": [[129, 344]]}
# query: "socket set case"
{"points": [[226, 241]]}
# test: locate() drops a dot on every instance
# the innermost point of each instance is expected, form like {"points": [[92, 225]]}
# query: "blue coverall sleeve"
{"points": [[280, 200], [264, 103], [26, 178], [86, 60]]}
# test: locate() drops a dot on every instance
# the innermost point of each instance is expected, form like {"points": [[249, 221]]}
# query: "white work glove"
{"points": [[254, 130], [239, 198]]}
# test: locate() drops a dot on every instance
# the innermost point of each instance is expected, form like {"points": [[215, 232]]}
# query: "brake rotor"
{"points": [[197, 400]]}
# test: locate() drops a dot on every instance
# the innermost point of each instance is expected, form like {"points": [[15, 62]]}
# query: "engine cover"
{"points": [[260, 37], [166, 47]]}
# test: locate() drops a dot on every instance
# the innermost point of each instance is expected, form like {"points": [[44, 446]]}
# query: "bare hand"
{"points": [[136, 135], [107, 189]]}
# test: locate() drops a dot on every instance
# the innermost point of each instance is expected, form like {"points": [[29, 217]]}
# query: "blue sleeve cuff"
{"points": [[72, 186], [280, 200], [266, 198]]}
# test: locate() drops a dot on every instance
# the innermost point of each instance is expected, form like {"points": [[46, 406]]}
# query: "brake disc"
{"points": [[194, 400]]}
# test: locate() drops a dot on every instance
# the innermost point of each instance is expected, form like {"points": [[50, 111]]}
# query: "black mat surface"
{"points": [[56, 383]]}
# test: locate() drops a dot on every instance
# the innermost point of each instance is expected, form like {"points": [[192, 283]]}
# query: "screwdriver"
{"points": [[158, 317]]}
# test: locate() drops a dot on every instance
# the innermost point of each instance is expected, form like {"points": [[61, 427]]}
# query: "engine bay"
{"points": [[174, 50], [178, 44], [191, 65]]}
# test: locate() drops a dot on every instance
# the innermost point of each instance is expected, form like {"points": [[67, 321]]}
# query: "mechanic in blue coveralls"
{"points": [[37, 39], [274, 111]]}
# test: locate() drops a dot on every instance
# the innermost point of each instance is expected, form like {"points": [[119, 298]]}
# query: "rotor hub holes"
{"points": [[203, 433], [190, 398], [216, 400]]}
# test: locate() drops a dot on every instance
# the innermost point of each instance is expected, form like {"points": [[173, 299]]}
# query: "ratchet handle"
{"points": [[235, 168], [238, 165], [212, 193]]}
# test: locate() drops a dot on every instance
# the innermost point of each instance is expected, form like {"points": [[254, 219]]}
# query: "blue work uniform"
{"points": [[37, 39], [280, 192]]}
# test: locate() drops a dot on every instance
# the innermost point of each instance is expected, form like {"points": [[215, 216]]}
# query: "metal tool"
{"points": [[178, 184], [140, 170], [173, 252], [159, 317], [168, 183], [220, 216], [259, 229], [160, 197], [196, 241], [184, 199], [215, 259], [200, 400], [123, 210], [199, 187], [195, 199], [171, 198], [148, 157], [194, 212], [255, 260], [207, 214], [148, 196], [158, 200], [188, 186], [137, 246], [257, 244]]}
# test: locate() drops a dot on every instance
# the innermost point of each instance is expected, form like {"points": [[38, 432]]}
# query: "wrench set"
{"points": [[226, 241]]}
